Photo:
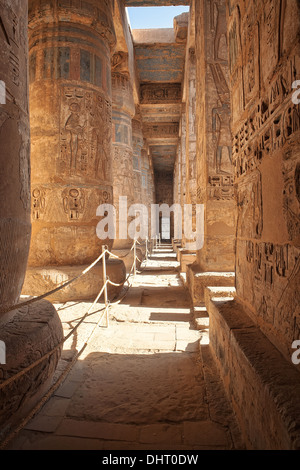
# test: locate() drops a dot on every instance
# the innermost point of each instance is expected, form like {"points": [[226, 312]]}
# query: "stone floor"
{"points": [[147, 381]]}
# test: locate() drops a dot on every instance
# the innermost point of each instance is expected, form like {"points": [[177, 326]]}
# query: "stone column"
{"points": [[15, 225], [182, 172], [70, 48], [187, 255], [30, 332], [137, 144], [216, 260], [123, 176]]}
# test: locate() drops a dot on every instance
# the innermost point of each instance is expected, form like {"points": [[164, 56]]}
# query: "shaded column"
{"points": [[71, 120], [138, 166], [187, 254], [138, 143], [33, 331], [15, 225], [123, 175]]}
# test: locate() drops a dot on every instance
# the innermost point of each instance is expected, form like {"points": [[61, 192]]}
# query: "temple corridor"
{"points": [[146, 382], [150, 225]]}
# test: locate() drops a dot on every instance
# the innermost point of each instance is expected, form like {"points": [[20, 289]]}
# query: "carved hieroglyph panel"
{"points": [[85, 134], [157, 93], [250, 209], [123, 175], [270, 33], [291, 195]]}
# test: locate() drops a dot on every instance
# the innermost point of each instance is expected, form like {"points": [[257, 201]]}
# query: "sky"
{"points": [[154, 17]]}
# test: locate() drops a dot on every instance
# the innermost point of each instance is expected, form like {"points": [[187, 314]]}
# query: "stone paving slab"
{"points": [[146, 382]]}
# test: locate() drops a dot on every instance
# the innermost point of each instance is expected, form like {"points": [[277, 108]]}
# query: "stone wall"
{"points": [[264, 63]]}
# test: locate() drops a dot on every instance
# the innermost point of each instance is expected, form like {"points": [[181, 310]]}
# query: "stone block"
{"points": [[185, 258], [197, 281], [263, 386]]}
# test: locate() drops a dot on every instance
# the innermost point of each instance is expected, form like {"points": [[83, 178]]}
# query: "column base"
{"points": [[28, 334], [263, 385], [127, 257], [197, 280], [41, 280]]}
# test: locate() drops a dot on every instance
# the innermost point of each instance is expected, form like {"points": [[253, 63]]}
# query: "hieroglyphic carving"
{"points": [[250, 209], [272, 273], [106, 196], [38, 203], [73, 203], [123, 173], [254, 140], [221, 122], [218, 24], [157, 93], [220, 188], [291, 194], [85, 133], [270, 34], [119, 63], [161, 130]]}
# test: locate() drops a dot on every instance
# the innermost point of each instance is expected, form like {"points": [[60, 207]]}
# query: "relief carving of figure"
{"points": [[222, 115], [219, 26], [74, 127]]}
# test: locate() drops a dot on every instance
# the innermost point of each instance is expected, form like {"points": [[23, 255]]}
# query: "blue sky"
{"points": [[154, 17]]}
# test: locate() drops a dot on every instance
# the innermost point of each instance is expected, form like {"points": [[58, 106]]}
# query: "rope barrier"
{"points": [[61, 343], [107, 281], [57, 289]]}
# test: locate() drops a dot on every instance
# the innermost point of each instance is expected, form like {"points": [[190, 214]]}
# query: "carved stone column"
{"points": [[216, 259], [123, 176], [15, 226], [70, 46], [138, 143], [30, 332], [187, 255]]}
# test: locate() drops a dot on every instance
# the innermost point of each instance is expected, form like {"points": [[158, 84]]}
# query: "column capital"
{"points": [[90, 13]]}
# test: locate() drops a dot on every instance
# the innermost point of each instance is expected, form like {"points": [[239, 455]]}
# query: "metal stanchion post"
{"points": [[104, 248], [146, 248], [134, 251]]}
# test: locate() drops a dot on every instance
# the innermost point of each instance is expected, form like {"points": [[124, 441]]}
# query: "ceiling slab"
{"points": [[160, 63], [163, 157]]}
